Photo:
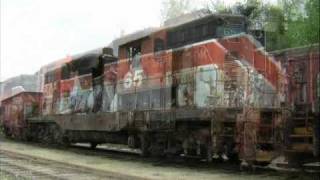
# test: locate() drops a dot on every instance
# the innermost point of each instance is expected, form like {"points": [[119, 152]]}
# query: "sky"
{"points": [[37, 32]]}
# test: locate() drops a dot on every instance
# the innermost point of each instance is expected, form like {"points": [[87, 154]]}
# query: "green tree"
{"points": [[217, 6], [174, 8], [261, 16], [303, 27], [313, 19], [287, 24], [274, 27]]}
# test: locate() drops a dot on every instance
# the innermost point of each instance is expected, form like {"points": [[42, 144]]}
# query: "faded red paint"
{"points": [[245, 48], [157, 64], [110, 73], [53, 90], [302, 65], [66, 86], [17, 108]]}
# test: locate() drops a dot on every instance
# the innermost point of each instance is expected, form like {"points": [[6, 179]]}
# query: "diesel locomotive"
{"points": [[203, 88]]}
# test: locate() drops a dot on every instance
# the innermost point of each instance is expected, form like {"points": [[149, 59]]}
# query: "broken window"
{"points": [[133, 51], [134, 55], [198, 32], [205, 31], [49, 77], [181, 37], [158, 45], [65, 72], [84, 64]]}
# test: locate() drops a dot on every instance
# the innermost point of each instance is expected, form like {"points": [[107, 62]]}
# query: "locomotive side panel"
{"points": [[110, 97], [81, 98], [67, 84], [266, 75], [143, 82], [246, 48], [51, 86]]}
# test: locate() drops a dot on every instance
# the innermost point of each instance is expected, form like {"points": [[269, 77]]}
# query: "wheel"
{"points": [[144, 145], [133, 141], [93, 145], [209, 152], [24, 135], [65, 141], [7, 132]]}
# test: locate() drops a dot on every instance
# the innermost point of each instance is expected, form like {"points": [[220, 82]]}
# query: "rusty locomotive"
{"points": [[202, 88]]}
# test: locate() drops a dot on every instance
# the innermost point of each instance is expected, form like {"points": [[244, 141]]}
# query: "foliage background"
{"points": [[286, 24]]}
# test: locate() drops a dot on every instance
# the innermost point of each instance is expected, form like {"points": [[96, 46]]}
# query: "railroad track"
{"points": [[123, 152], [111, 148], [23, 166], [26, 167]]}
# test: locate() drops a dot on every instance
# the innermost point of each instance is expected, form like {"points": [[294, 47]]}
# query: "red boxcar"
{"points": [[302, 87], [16, 109]]}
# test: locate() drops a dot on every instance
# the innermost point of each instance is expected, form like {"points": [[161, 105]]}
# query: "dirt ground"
{"points": [[136, 166], [6, 176]]}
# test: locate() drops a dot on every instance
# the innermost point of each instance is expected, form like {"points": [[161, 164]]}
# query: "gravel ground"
{"points": [[7, 176], [133, 165], [26, 167]]}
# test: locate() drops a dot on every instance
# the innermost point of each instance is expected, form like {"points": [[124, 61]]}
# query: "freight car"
{"points": [[302, 67], [203, 88], [16, 109]]}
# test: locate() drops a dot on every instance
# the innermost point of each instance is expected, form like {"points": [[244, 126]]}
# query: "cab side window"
{"points": [[159, 45], [65, 73], [134, 55], [49, 77]]}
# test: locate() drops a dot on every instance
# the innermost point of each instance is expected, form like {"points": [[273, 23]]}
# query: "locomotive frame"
{"points": [[191, 89]]}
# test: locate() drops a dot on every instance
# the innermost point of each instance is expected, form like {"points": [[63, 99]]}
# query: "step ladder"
{"points": [[301, 129]]}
